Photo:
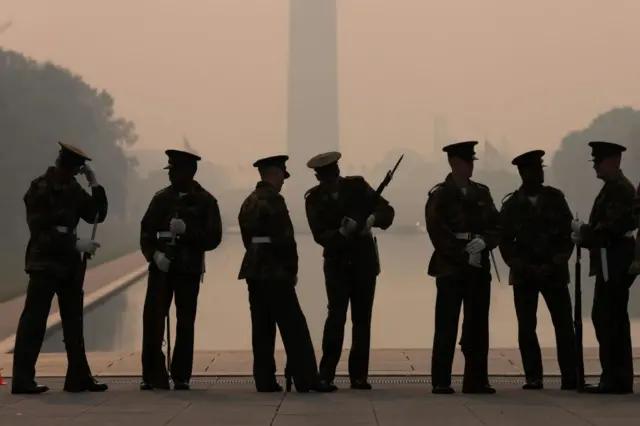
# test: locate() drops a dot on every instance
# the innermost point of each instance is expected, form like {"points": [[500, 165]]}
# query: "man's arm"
{"points": [[44, 232], [618, 219], [323, 233], [149, 242], [507, 244], [493, 230], [93, 205], [383, 212], [442, 238], [207, 235]]}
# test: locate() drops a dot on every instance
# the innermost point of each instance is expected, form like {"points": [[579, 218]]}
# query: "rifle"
{"points": [[577, 320], [83, 271], [370, 204]]}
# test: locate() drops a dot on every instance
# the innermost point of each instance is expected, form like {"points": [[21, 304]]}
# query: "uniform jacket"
{"points": [[536, 238], [200, 212], [449, 214], [325, 213], [611, 223], [53, 214], [268, 237]]}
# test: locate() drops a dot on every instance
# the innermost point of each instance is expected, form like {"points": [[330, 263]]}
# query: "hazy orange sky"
{"points": [[217, 69]]}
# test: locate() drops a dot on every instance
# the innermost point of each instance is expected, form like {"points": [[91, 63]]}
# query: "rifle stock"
{"points": [[577, 321]]}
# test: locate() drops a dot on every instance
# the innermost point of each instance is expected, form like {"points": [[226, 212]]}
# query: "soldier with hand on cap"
{"points": [[55, 203], [270, 268], [609, 238], [464, 226], [536, 244], [181, 224], [351, 263]]}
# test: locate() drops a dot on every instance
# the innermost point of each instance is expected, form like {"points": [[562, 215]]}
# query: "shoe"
{"points": [[28, 389], [606, 388], [325, 386], [569, 385], [88, 385], [181, 385], [442, 390], [274, 387], [533, 385], [145, 386], [159, 384], [361, 385], [482, 389]]}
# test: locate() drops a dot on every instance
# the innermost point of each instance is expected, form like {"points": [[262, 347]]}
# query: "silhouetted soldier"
{"points": [[635, 266], [609, 238], [270, 268], [55, 203], [351, 263], [188, 215], [463, 225], [536, 244]]}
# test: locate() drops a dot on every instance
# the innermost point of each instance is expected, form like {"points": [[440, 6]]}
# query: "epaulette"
{"points": [[310, 191], [161, 191], [482, 185], [355, 177], [435, 188], [506, 197], [555, 191]]}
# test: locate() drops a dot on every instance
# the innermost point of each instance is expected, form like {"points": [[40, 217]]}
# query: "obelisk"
{"points": [[312, 118]]}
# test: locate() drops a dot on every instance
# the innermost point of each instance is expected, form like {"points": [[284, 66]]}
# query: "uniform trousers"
{"points": [[33, 324], [473, 289], [274, 304], [161, 288]]}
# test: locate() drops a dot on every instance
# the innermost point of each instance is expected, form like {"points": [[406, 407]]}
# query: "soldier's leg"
{"points": [[186, 289], [263, 334], [362, 296], [621, 351], [156, 306], [31, 329], [477, 299], [301, 357], [558, 300], [338, 289], [447, 316], [601, 318], [525, 298]]}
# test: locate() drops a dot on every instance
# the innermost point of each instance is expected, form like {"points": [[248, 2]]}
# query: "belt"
{"points": [[164, 234], [261, 240], [466, 236], [66, 230]]}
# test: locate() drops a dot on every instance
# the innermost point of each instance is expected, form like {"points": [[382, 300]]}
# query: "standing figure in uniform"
{"points": [[55, 203], [536, 244], [609, 238], [270, 268], [181, 224], [464, 226], [351, 263]]}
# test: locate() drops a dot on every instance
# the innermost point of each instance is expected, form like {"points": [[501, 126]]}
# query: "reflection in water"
{"points": [[403, 313]]}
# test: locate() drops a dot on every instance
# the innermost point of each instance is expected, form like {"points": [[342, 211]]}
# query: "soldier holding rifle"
{"points": [[55, 203], [186, 213], [536, 244], [464, 226], [609, 238], [270, 268], [341, 212]]}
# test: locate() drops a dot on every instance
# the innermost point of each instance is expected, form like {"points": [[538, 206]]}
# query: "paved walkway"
{"points": [[384, 362], [95, 279], [392, 403]]}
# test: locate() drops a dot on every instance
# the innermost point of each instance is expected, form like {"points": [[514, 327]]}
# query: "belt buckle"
{"points": [[469, 236]]}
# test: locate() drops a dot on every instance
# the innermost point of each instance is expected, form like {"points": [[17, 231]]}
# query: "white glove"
{"points": [[576, 225], [161, 261], [87, 245], [475, 260], [368, 225], [90, 174], [347, 226], [475, 246], [177, 226], [576, 238]]}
